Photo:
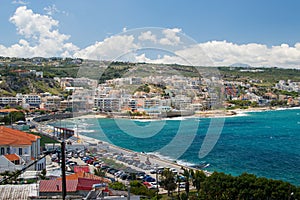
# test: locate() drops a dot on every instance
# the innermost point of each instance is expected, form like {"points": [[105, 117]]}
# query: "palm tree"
{"points": [[168, 181], [198, 177], [99, 172], [187, 174]]}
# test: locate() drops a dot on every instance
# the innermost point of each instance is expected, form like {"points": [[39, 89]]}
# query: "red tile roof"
{"points": [[9, 110], [12, 157], [56, 185], [71, 185], [82, 169], [86, 184], [9, 136], [85, 175]]}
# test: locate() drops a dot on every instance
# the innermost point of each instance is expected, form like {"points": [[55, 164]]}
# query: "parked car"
{"points": [[112, 170], [90, 161], [119, 173], [124, 176], [182, 185], [149, 179], [81, 155]]}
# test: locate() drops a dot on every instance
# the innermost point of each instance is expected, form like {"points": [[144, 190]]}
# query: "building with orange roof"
{"points": [[84, 168], [5, 112], [80, 186], [14, 158], [80, 183], [86, 175], [9, 110], [18, 143]]}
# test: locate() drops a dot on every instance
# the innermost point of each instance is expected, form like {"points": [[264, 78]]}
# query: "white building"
{"points": [[107, 104], [31, 100], [15, 143]]}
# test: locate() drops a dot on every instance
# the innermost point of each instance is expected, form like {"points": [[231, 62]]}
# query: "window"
{"points": [[20, 151], [8, 150], [2, 151]]}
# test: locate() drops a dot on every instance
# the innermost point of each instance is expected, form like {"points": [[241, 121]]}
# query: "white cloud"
{"points": [[171, 37], [50, 10], [222, 53], [19, 2], [147, 36], [41, 36], [30, 24], [109, 49]]}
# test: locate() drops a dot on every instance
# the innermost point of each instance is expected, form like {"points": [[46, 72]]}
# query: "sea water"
{"points": [[262, 143]]}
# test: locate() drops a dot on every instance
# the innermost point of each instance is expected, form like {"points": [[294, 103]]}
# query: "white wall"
{"points": [[6, 165]]}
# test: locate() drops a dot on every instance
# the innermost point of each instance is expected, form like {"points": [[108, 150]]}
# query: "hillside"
{"points": [[17, 77]]}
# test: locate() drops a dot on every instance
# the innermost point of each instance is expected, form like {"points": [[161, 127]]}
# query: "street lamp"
{"points": [[156, 176], [128, 189]]}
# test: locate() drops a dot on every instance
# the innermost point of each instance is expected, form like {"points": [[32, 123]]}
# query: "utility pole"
{"points": [[63, 169], [128, 187], [157, 189]]}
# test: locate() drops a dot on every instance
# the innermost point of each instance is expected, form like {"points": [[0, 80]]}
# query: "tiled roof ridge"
{"points": [[11, 136], [12, 157]]}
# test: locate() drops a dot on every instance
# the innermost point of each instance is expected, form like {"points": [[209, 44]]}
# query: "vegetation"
{"points": [[143, 88], [13, 117], [113, 72], [278, 103], [137, 188], [218, 186], [99, 172], [268, 76], [137, 114], [246, 186], [114, 164], [168, 181], [117, 186]]}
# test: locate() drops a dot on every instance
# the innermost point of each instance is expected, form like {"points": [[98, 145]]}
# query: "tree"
{"points": [[187, 174], [99, 172], [13, 117], [43, 174], [168, 181], [198, 177]]}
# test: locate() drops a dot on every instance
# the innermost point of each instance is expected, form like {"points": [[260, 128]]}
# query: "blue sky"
{"points": [[233, 24]]}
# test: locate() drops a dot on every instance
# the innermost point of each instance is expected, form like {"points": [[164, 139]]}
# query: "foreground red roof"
{"points": [[82, 169], [71, 185], [56, 185], [9, 136], [85, 175]]}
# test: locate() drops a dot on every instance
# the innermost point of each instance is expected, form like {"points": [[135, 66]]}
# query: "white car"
{"points": [[173, 170], [182, 185], [154, 185]]}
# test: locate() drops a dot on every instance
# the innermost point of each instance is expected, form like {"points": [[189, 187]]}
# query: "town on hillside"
{"points": [[48, 85]]}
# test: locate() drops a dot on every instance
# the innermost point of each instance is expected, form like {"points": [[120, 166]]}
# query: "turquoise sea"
{"points": [[262, 143]]}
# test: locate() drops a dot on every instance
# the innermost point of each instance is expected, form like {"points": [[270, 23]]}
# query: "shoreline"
{"points": [[155, 161], [218, 113]]}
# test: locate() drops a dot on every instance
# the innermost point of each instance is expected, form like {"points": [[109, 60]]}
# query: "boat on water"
{"points": [[201, 166]]}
